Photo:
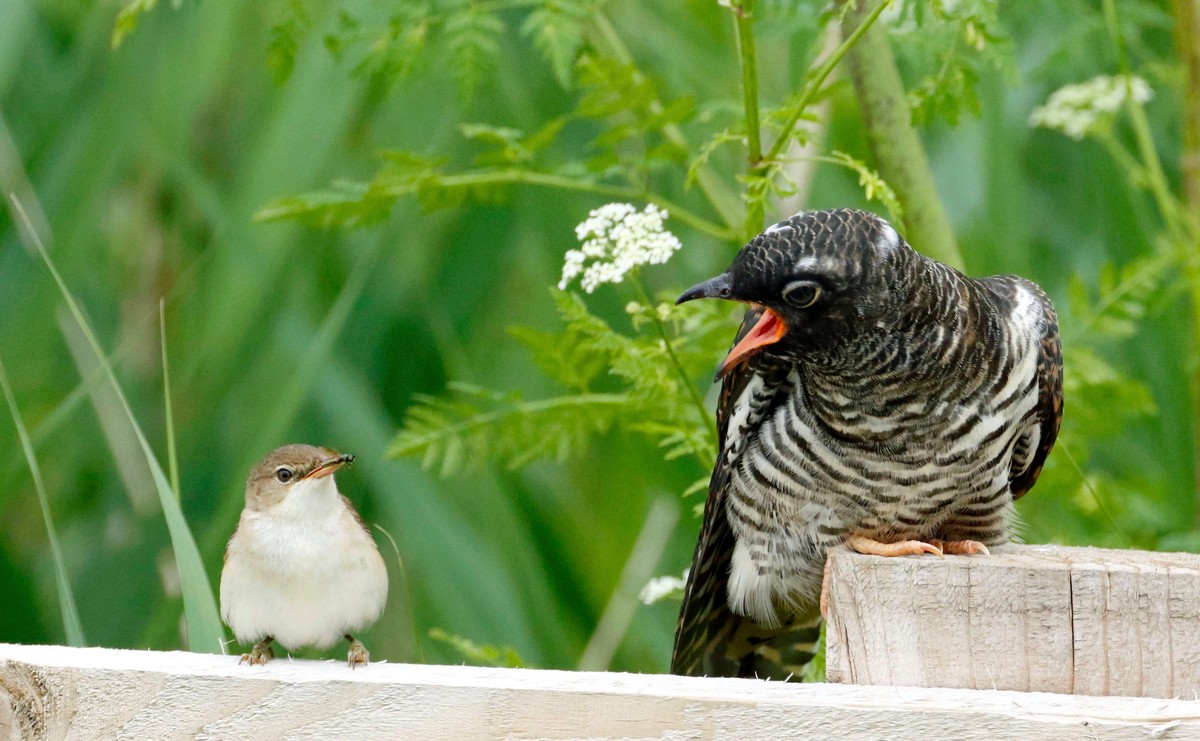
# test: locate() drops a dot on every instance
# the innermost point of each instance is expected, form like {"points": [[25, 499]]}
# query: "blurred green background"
{"points": [[148, 162]]}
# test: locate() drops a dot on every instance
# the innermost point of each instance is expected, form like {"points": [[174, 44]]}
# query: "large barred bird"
{"points": [[874, 399]]}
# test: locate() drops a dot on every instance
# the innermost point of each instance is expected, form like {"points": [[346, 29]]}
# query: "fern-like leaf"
{"points": [[473, 39], [557, 30], [472, 426]]}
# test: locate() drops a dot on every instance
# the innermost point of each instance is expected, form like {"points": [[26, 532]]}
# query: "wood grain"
{"points": [[52, 692], [1034, 618]]}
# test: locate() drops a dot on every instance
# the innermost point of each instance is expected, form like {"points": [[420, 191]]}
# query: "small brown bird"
{"points": [[301, 568]]}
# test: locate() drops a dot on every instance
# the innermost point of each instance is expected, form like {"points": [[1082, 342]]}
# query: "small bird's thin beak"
{"points": [[719, 287], [329, 465]]}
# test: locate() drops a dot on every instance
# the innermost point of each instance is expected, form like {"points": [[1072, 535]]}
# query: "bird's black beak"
{"points": [[719, 287], [329, 465], [767, 328]]}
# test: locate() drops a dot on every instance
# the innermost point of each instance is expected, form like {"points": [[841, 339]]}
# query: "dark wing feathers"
{"points": [[1050, 401], [711, 640]]}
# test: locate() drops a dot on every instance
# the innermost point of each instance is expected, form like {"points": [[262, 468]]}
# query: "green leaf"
{"points": [[285, 42], [72, 625], [557, 31], [480, 654], [945, 45], [204, 629], [875, 188], [473, 39], [127, 19], [472, 426]]}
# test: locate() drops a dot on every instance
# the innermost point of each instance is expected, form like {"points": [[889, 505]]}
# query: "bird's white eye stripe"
{"points": [[806, 264]]}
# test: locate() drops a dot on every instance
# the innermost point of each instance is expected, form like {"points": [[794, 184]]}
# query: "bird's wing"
{"points": [[1048, 413], [711, 640]]}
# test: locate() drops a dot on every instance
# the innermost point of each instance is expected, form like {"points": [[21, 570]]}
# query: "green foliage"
{"points": [[875, 188], [945, 45], [127, 19], [472, 426], [72, 625], [205, 632], [557, 29], [283, 334], [481, 655], [459, 433], [285, 41], [392, 42], [473, 40]]}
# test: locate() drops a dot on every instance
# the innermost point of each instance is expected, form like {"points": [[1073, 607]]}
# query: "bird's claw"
{"points": [[961, 547], [872, 547], [358, 654], [259, 655]]}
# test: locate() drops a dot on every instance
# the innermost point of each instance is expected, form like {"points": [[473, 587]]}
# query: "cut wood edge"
{"points": [[48, 691]]}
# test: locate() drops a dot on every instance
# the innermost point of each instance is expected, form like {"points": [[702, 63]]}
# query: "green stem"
{"points": [[744, 21], [1187, 39], [1182, 225], [684, 379], [718, 194], [286, 208], [817, 79], [896, 148]]}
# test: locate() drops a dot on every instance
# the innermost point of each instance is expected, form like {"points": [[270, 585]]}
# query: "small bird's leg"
{"points": [[358, 652], [260, 654], [961, 547], [870, 546]]}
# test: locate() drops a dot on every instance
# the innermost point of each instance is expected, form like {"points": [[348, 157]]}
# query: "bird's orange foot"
{"points": [[961, 547], [358, 653], [260, 654], [872, 547]]}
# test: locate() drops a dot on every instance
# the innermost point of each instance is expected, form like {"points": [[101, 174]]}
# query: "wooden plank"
{"points": [[1033, 618], [50, 692]]}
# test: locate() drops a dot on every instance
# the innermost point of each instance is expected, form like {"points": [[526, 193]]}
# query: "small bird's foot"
{"points": [[961, 547], [358, 653], [870, 546], [260, 654]]}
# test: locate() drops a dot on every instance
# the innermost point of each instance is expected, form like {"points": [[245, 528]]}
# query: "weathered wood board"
{"points": [[52, 692], [1085, 621]]}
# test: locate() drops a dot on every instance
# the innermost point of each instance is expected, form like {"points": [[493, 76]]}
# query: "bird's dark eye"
{"points": [[802, 293], [283, 474]]}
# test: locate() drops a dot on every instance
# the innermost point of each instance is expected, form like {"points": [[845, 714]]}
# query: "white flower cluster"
{"points": [[615, 239], [1075, 109], [661, 587]]}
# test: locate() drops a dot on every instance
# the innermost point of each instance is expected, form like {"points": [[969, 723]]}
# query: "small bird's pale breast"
{"points": [[306, 575]]}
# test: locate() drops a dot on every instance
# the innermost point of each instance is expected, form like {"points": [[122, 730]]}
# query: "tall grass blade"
{"points": [[639, 567], [122, 442], [72, 625], [172, 456], [204, 630]]}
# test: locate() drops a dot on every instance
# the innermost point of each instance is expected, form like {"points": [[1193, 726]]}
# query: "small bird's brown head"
{"points": [[288, 468], [816, 279]]}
